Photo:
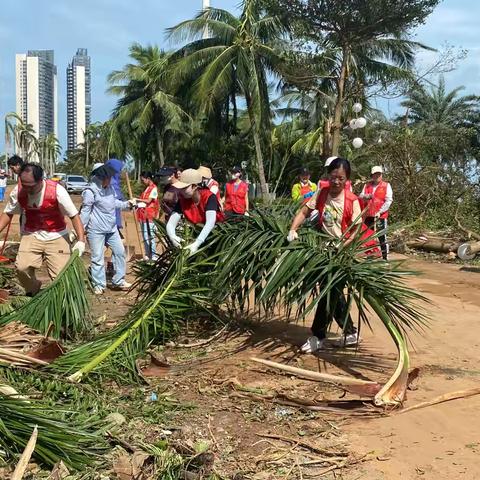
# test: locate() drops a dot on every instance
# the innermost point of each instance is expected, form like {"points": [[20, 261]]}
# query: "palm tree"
{"points": [[437, 107], [11, 120], [239, 55], [26, 141], [49, 150], [146, 103]]}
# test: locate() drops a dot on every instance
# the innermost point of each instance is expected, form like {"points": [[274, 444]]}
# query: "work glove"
{"points": [[176, 240], [192, 248], [72, 236], [79, 247], [140, 204], [292, 235], [133, 202]]}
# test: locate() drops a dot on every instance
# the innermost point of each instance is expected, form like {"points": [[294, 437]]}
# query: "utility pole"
{"points": [[206, 4]]}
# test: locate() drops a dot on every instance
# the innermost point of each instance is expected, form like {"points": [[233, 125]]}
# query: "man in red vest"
{"points": [[376, 198], [44, 204], [198, 205]]}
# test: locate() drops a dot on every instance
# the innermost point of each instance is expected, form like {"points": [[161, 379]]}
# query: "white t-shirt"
{"points": [[64, 201], [3, 182]]}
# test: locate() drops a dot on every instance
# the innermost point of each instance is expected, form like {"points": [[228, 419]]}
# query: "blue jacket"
{"points": [[117, 165], [99, 206]]}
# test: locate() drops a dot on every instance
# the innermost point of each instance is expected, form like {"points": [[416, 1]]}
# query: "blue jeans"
{"points": [[2, 193], [97, 243], [149, 230]]}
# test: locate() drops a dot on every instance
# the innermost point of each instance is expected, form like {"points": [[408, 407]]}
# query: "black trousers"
{"points": [[381, 225], [338, 311]]}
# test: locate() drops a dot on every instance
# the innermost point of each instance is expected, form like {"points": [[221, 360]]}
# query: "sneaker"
{"points": [[122, 286], [350, 340], [312, 345], [98, 291]]}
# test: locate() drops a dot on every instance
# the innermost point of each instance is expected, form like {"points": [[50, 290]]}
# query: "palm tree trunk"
{"points": [[258, 150], [337, 118], [161, 156]]}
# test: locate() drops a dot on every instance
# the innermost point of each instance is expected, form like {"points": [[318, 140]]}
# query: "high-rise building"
{"points": [[36, 90], [78, 98]]}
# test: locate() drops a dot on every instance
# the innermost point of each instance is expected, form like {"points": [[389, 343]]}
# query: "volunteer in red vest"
{"points": [[45, 204], [377, 197], [197, 205], [167, 178], [304, 188], [236, 195], [339, 211], [209, 182], [147, 212]]}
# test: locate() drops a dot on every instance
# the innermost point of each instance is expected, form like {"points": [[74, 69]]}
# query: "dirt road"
{"points": [[443, 441]]}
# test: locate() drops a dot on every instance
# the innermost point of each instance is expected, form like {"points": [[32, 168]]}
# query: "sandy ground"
{"points": [[439, 442]]}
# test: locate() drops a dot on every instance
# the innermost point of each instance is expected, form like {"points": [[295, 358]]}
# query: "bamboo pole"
{"points": [[137, 228], [25, 458]]}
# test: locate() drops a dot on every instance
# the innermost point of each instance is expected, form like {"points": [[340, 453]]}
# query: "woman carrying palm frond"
{"points": [[339, 216]]}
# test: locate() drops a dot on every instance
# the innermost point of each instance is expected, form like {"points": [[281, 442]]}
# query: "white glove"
{"points": [[140, 204], [292, 235], [79, 247], [246, 214], [193, 248], [72, 236], [176, 240], [132, 202]]}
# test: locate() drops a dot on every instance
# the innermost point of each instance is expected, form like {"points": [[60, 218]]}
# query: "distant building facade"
{"points": [[78, 98], [36, 90]]}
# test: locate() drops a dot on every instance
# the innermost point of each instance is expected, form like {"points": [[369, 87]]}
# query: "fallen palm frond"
{"points": [[26, 456], [256, 262], [58, 438], [61, 309], [166, 303]]}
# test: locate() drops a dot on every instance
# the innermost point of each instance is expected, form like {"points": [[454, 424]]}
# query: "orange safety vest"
{"points": [[196, 213], [326, 184], [375, 203], [235, 197], [150, 212], [46, 216]]}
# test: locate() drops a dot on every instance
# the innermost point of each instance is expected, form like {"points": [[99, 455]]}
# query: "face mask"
{"points": [[236, 175], [205, 182]]}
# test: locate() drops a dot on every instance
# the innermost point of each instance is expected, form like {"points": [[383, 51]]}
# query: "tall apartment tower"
{"points": [[36, 90], [78, 98]]}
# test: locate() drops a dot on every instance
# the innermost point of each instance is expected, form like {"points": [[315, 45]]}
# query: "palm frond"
{"points": [[61, 308], [60, 436]]}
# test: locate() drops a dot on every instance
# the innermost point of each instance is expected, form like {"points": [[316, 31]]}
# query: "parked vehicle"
{"points": [[75, 183], [58, 177]]}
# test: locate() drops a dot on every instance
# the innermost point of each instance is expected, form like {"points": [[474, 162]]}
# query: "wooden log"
{"points": [[440, 246]]}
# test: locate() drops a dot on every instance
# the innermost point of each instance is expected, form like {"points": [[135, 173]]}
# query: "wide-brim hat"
{"points": [[104, 171], [188, 177], [205, 171]]}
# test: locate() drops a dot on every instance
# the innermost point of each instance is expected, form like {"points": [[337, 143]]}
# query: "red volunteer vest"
{"points": [[375, 204], [150, 212], [235, 198], [47, 216], [347, 219], [196, 213]]}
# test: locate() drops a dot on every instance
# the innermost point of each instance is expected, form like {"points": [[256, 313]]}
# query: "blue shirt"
{"points": [[99, 205]]}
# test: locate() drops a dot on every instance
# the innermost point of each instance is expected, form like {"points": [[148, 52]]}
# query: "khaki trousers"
{"points": [[31, 254]]}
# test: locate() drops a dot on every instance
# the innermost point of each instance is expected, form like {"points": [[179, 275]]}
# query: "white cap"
{"points": [[97, 165], [376, 169], [188, 177], [329, 160]]}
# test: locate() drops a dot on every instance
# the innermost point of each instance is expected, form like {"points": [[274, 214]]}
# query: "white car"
{"points": [[75, 183]]}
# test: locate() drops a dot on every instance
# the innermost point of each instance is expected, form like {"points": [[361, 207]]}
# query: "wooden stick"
{"points": [[137, 228], [26, 455], [322, 377], [443, 398]]}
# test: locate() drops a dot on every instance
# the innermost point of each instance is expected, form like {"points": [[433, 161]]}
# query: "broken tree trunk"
{"points": [[431, 245]]}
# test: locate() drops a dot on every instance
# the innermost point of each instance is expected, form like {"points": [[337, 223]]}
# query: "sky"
{"points": [[108, 27]]}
